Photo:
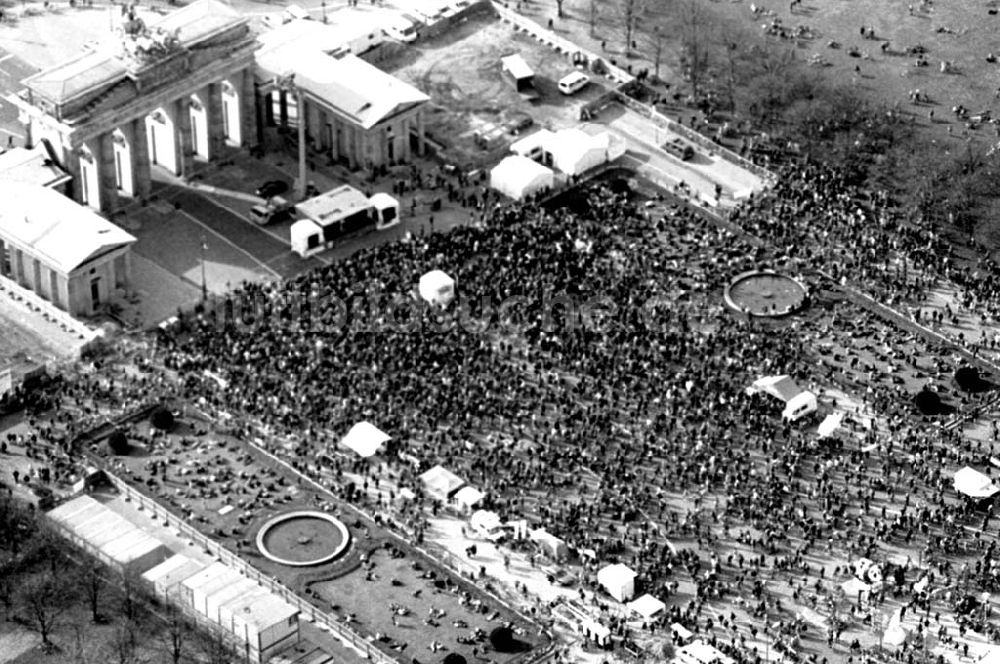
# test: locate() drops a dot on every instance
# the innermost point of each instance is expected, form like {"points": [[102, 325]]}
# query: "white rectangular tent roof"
{"points": [[699, 652], [646, 606], [441, 483], [830, 424], [974, 484], [518, 177], [365, 439]]}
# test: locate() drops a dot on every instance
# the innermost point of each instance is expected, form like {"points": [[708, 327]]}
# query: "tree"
{"points": [[928, 402], [655, 40], [215, 649], [92, 583], [118, 442], [123, 647], [559, 5], [161, 418], [502, 639], [631, 13], [593, 18], [967, 378], [695, 53], [43, 599], [174, 636]]}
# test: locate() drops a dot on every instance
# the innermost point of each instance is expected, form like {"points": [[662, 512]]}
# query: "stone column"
{"points": [[106, 179], [71, 161], [247, 91], [216, 124], [182, 137], [63, 284], [3, 258], [421, 147], [260, 115], [141, 179], [283, 109]]}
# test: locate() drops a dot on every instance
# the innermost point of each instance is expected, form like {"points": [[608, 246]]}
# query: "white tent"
{"points": [[387, 209], [829, 424], [487, 524], [574, 151], [618, 580], [365, 439], [468, 497], [518, 177], [441, 483], [781, 387], [646, 606], [437, 288], [699, 652], [853, 586], [895, 633], [799, 406], [554, 547], [974, 484]]}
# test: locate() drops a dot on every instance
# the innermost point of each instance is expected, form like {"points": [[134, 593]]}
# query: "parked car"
{"points": [[679, 148], [573, 83], [276, 210], [271, 188], [519, 123]]}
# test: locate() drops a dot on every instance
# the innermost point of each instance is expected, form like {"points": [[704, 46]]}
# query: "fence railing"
{"points": [[234, 561], [561, 44]]}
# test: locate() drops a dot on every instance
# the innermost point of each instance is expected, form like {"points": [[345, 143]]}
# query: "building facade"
{"points": [[61, 250], [353, 111], [164, 96]]}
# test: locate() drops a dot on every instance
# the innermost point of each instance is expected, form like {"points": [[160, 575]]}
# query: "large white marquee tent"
{"points": [[518, 177]]}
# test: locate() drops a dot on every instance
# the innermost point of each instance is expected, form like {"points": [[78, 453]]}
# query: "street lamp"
{"points": [[204, 284]]}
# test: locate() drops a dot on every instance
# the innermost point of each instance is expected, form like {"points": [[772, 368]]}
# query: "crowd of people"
{"points": [[587, 377]]}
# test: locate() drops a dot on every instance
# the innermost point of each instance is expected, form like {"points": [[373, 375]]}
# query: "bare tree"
{"points": [[631, 14], [175, 635], [559, 6], [42, 600], [123, 646], [215, 649], [92, 582], [130, 588], [695, 53], [655, 40]]}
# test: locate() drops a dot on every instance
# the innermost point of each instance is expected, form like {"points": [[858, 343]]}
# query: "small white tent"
{"points": [[518, 177], [618, 580], [799, 406], [554, 547], [974, 484], [365, 439], [437, 287], [646, 606], [487, 524], [468, 497], [829, 425], [441, 483]]}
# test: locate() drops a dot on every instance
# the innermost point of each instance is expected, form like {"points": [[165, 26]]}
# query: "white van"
{"points": [[573, 83]]}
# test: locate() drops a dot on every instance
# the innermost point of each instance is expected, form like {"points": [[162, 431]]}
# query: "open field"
{"points": [[461, 72]]}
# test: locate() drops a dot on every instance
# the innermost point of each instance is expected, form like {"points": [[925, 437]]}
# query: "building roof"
{"points": [[31, 166], [260, 610], [646, 606], [615, 574], [344, 27], [699, 652], [782, 387], [173, 570], [199, 20], [362, 92], [104, 65], [104, 530], [517, 67], [333, 205], [214, 576], [972, 483], [58, 231]]}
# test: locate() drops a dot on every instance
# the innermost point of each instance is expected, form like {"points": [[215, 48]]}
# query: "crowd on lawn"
{"points": [[592, 343]]}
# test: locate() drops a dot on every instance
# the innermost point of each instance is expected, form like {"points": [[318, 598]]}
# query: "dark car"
{"points": [[679, 149], [271, 188], [519, 123]]}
